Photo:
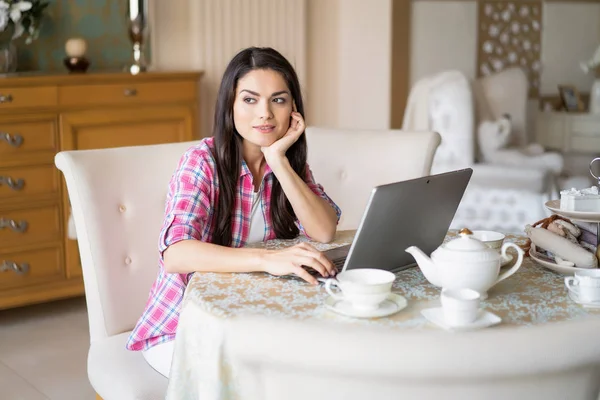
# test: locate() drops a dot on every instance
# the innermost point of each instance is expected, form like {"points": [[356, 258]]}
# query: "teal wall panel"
{"points": [[102, 23]]}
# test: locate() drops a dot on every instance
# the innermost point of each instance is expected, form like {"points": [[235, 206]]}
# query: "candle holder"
{"points": [[137, 28], [76, 64], [75, 48]]}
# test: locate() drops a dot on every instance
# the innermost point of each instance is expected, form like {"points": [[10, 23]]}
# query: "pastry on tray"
{"points": [[560, 239]]}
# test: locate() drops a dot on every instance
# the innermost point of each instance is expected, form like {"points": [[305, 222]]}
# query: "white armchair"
{"points": [[499, 197], [117, 197]]}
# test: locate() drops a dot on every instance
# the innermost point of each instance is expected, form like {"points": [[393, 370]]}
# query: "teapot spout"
{"points": [[427, 266]]}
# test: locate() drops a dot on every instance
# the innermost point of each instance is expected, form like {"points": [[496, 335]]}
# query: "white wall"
{"points": [[443, 37], [323, 63], [347, 43], [206, 34], [365, 64], [571, 33], [346, 78], [349, 63], [170, 34]]}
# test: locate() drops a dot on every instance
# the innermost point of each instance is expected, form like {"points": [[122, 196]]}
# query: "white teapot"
{"points": [[465, 263]]}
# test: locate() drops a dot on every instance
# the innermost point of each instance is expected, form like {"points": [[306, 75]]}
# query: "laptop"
{"points": [[416, 212]]}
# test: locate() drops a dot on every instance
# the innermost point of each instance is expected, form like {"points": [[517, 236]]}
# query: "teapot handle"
{"points": [[515, 267]]}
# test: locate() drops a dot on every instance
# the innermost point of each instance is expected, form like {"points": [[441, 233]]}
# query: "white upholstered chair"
{"points": [[349, 163], [118, 198], [498, 197], [295, 360]]}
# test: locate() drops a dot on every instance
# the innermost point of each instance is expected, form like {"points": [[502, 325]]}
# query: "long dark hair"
{"points": [[228, 144]]}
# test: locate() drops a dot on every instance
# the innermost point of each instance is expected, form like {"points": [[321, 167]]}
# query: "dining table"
{"points": [[202, 367]]}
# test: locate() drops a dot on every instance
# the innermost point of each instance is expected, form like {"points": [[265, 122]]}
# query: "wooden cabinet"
{"points": [[41, 115], [569, 132]]}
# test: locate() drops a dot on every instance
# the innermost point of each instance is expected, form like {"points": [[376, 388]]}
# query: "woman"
{"points": [[248, 183]]}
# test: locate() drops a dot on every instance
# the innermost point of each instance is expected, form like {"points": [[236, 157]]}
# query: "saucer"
{"points": [[575, 297], [389, 306], [484, 319]]}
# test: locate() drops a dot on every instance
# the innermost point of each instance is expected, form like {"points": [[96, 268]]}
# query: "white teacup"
{"points": [[460, 306], [491, 239], [585, 284], [364, 288]]}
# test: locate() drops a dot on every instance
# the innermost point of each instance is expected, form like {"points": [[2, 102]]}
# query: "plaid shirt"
{"points": [[193, 192]]}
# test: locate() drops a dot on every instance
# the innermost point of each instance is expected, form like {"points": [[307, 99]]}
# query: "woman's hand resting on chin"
{"points": [[276, 151], [290, 261]]}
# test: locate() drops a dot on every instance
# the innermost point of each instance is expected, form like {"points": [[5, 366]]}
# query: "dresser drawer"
{"points": [[25, 97], [128, 93], [585, 144], [28, 182], [32, 267], [27, 137], [586, 126], [29, 226]]}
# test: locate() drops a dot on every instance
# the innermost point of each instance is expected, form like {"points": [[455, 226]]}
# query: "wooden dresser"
{"points": [[569, 132], [41, 115]]}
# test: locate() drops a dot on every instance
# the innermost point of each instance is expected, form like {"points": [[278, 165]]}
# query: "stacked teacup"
{"points": [[584, 287]]}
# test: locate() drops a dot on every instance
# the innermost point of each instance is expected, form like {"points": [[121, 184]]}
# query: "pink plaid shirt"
{"points": [[193, 192]]}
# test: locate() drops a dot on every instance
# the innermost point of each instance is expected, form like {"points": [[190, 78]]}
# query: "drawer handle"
{"points": [[6, 99], [20, 269], [20, 226], [130, 92], [15, 140], [13, 184]]}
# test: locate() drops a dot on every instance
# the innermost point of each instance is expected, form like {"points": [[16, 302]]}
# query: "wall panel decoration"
{"points": [[509, 34]]}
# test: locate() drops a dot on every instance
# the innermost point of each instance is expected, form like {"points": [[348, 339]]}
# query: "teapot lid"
{"points": [[466, 242], [465, 248]]}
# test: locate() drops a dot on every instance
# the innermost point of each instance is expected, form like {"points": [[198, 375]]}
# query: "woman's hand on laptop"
{"points": [[291, 261]]}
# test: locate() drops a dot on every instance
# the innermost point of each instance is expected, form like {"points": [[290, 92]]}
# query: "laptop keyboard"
{"points": [[338, 263]]}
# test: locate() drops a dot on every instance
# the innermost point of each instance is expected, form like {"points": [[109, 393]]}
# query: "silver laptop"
{"points": [[416, 212]]}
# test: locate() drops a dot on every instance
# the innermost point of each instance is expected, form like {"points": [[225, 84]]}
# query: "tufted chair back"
{"points": [[444, 103], [349, 163], [117, 198]]}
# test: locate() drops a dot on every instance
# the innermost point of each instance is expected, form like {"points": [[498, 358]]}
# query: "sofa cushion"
{"points": [[513, 178]]}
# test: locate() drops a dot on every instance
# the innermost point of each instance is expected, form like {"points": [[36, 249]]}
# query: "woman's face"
{"points": [[262, 107]]}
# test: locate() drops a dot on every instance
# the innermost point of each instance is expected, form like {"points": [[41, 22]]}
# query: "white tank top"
{"points": [[257, 220]]}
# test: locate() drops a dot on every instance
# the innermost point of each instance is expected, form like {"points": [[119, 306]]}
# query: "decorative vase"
{"points": [[8, 52], [137, 27], [594, 107]]}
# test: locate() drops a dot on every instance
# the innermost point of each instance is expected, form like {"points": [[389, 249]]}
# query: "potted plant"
{"points": [[18, 18]]}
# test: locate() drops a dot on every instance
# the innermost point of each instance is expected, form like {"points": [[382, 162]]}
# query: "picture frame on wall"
{"points": [[570, 98]]}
